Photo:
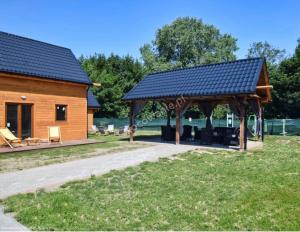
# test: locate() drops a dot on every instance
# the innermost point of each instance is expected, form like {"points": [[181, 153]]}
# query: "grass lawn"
{"points": [[28, 159], [208, 190]]}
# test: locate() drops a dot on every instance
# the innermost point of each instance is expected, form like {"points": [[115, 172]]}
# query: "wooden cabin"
{"points": [[43, 85]]}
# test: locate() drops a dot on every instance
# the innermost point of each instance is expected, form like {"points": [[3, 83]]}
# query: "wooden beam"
{"points": [[254, 96], [245, 131], [131, 122], [177, 125], [193, 99], [267, 81], [262, 124], [242, 126], [19, 118], [96, 84], [23, 76], [264, 87]]}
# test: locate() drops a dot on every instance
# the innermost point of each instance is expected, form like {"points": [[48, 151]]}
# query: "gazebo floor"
{"points": [[250, 144]]}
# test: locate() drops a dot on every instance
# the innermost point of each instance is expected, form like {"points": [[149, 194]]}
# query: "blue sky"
{"points": [[122, 27]]}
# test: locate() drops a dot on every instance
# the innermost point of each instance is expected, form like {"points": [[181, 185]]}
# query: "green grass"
{"points": [[210, 190], [29, 159]]}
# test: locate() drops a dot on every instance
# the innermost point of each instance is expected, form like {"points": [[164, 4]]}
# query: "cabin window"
{"points": [[61, 112]]}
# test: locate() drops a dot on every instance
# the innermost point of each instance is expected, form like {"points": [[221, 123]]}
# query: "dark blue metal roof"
{"points": [[227, 78], [30, 57], [92, 101]]}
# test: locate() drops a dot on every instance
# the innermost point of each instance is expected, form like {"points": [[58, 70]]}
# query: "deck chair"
{"points": [[54, 134], [123, 130], [93, 130], [9, 138], [111, 129], [126, 129], [101, 130]]}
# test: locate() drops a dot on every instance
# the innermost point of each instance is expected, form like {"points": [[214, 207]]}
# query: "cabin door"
{"points": [[19, 119]]}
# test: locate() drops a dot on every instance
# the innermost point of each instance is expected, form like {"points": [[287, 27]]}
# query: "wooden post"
{"points": [[19, 123], [258, 133], [242, 126], [245, 131], [131, 122], [262, 124], [177, 125]]}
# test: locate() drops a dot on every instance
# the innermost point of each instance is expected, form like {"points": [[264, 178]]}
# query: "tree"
{"points": [[287, 86], [117, 76], [187, 42], [284, 75], [272, 54]]}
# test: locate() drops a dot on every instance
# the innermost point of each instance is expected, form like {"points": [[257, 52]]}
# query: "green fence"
{"points": [[272, 126]]}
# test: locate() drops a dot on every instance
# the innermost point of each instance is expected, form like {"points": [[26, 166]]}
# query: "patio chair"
{"points": [[54, 134], [206, 136], [126, 129], [9, 138], [232, 136], [123, 130], [187, 132], [101, 130], [219, 134], [197, 133], [93, 130], [111, 129], [170, 133]]}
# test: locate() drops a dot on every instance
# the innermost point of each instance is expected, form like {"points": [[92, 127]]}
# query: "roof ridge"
{"points": [[204, 65], [35, 40]]}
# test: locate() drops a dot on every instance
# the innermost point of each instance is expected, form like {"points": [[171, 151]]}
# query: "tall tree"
{"points": [[272, 54], [117, 76], [288, 86], [187, 42], [284, 76]]}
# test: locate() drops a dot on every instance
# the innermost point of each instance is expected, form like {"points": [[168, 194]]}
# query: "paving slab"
{"points": [[8, 223]]}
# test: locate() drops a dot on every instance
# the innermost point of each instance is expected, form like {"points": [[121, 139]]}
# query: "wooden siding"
{"points": [[44, 95], [90, 118]]}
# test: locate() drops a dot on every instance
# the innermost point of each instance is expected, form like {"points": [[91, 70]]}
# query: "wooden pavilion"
{"points": [[239, 84]]}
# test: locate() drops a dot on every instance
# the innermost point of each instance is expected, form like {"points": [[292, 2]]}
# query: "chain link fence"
{"points": [[272, 126]]}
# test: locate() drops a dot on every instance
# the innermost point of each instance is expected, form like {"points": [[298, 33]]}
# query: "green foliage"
{"points": [[187, 42], [153, 110], [220, 112], [287, 86], [199, 190], [117, 76], [284, 76], [264, 49]]}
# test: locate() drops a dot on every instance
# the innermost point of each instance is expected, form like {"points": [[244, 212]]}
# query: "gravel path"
{"points": [[57, 174]]}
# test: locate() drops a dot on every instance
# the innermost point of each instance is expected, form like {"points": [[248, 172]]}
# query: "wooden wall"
{"points": [[44, 95], [90, 118]]}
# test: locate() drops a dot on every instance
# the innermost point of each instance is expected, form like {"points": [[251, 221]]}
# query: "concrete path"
{"points": [[54, 175], [8, 223]]}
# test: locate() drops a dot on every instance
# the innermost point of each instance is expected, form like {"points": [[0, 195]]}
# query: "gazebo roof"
{"points": [[227, 78]]}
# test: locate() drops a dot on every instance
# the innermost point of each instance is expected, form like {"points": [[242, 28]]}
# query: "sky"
{"points": [[122, 27]]}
